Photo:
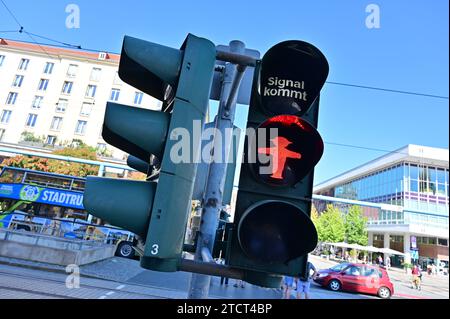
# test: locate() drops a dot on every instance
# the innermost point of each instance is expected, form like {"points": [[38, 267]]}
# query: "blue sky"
{"points": [[409, 52]]}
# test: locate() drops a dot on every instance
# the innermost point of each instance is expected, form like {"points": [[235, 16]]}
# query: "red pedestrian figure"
{"points": [[279, 154]]}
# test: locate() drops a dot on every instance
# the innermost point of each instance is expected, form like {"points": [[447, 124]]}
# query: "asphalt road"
{"points": [[119, 278], [25, 283]]}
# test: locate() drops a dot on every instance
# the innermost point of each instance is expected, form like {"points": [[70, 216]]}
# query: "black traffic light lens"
{"points": [[285, 149], [276, 231]]}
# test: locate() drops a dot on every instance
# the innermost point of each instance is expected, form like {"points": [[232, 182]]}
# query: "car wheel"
{"points": [[125, 250], [384, 293], [334, 285]]}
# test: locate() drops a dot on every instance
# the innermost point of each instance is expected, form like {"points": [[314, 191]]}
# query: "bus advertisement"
{"points": [[52, 204]]}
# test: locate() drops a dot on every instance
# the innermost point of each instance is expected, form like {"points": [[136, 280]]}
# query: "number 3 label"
{"points": [[154, 251]]}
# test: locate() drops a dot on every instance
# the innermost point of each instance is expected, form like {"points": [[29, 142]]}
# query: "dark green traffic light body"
{"points": [[157, 212]]}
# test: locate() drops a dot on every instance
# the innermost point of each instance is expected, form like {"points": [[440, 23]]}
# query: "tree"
{"points": [[356, 226], [329, 225], [82, 151], [56, 166]]}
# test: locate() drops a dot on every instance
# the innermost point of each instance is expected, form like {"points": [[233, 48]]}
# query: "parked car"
{"points": [[358, 278]]}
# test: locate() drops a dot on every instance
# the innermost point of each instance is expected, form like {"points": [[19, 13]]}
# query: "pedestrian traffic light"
{"points": [[272, 231], [157, 212]]}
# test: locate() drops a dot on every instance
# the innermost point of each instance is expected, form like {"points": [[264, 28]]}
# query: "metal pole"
{"points": [[207, 269], [212, 201]]}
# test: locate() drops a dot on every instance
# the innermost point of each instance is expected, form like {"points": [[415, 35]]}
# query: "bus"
{"points": [[52, 204]]}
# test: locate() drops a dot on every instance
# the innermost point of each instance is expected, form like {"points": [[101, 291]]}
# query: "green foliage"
{"points": [[329, 225], [56, 166], [356, 226], [82, 151], [333, 226], [407, 265], [29, 137]]}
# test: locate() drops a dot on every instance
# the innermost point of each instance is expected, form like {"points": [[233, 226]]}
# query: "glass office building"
{"points": [[413, 182]]}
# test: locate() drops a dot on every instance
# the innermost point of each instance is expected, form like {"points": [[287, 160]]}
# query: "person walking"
{"points": [[416, 277], [380, 260], [287, 289], [388, 262], [304, 284]]}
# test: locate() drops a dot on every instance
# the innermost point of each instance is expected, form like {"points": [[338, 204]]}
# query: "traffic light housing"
{"points": [[272, 231], [157, 212]]}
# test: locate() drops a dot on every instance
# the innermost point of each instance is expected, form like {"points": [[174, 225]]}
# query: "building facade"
{"points": [[413, 182], [54, 97]]}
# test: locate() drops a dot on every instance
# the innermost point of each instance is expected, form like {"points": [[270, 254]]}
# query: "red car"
{"points": [[359, 278]]}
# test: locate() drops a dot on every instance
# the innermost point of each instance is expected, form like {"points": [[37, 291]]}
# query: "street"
{"points": [[119, 278], [23, 283]]}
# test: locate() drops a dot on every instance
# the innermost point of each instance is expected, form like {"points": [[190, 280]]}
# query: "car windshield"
{"points": [[339, 267]]}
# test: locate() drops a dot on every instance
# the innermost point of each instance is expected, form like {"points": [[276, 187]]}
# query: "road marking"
{"points": [[109, 293], [120, 287]]}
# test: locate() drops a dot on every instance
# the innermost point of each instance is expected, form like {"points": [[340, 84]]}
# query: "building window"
{"points": [[2, 134], [2, 59], [51, 140], [441, 241], [86, 109], [81, 127], [18, 81], [67, 87], [56, 123], [138, 98], [90, 91], [95, 74], [37, 102], [31, 120], [114, 95], [72, 70], [6, 115], [101, 147], [23, 65], [61, 106], [49, 67], [43, 83], [11, 99]]}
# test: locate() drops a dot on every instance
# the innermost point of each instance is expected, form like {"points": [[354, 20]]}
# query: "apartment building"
{"points": [[53, 96]]}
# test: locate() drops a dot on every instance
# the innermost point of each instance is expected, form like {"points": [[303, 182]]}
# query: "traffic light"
{"points": [[272, 231], [157, 211]]}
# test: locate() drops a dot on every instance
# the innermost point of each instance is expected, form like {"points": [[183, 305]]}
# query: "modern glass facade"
{"points": [[422, 191], [410, 187]]}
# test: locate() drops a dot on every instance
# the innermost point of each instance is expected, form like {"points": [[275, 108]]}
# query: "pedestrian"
{"points": [[380, 260], [288, 284], [429, 269], [223, 279], [388, 262], [416, 277], [304, 284], [433, 269]]}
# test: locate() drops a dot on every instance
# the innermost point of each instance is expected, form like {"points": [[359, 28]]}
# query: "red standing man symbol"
{"points": [[280, 154]]}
